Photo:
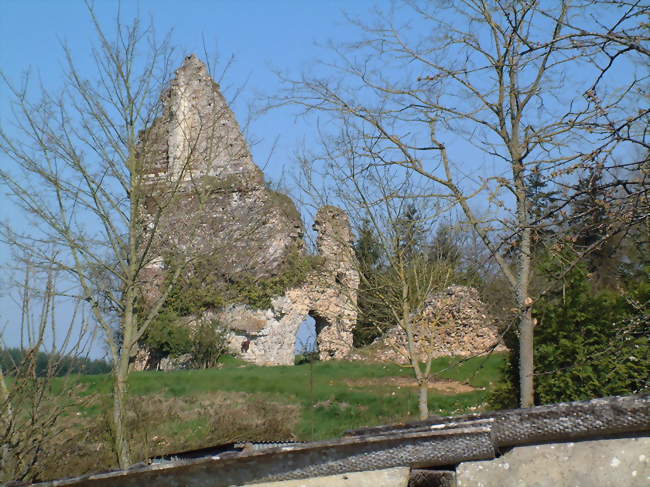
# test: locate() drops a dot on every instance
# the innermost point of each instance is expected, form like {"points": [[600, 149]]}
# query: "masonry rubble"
{"points": [[453, 321]]}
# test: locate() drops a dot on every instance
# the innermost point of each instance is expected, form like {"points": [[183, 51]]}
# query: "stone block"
{"points": [[391, 477], [603, 463]]}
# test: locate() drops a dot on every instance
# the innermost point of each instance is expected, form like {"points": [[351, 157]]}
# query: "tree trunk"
{"points": [[7, 460], [524, 301], [119, 412], [423, 402], [526, 364]]}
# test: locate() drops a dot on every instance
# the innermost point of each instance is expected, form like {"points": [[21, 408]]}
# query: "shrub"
{"points": [[587, 344], [209, 343], [307, 357], [592, 344], [167, 336]]}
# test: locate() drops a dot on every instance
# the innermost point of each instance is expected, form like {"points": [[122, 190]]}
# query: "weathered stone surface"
{"points": [[209, 201], [453, 322], [391, 477], [602, 463], [432, 478], [268, 337], [210, 195]]}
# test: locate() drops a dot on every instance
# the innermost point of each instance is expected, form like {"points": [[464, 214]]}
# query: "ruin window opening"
{"points": [[306, 337]]}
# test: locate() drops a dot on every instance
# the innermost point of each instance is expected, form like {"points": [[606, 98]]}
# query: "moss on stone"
{"points": [[285, 204], [201, 289], [215, 184], [258, 293]]}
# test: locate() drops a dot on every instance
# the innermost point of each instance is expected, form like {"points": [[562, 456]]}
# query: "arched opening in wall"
{"points": [[308, 346], [306, 341]]}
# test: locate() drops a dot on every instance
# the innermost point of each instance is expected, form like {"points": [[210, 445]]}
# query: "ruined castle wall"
{"points": [[453, 321], [209, 203], [210, 195], [268, 337]]}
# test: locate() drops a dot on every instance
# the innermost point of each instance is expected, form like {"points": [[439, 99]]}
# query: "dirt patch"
{"points": [[441, 386]]}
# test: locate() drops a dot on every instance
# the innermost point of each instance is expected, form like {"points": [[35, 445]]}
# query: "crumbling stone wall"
{"points": [[268, 337], [459, 324], [206, 195], [208, 199]]}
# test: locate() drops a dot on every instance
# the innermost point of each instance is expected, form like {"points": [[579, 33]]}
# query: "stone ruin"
{"points": [[268, 337], [219, 204], [207, 197], [463, 327]]}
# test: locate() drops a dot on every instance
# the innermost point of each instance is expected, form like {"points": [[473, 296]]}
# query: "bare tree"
{"points": [[35, 387], [87, 169], [387, 201], [479, 99], [617, 40]]}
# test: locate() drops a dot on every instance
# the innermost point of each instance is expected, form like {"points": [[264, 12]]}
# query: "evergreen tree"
{"points": [[409, 232], [590, 342], [445, 247], [372, 317], [594, 230]]}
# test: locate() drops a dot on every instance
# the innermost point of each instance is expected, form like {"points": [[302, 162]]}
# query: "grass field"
{"points": [[187, 409]]}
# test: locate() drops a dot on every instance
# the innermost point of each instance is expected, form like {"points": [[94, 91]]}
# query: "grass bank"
{"points": [[186, 409]]}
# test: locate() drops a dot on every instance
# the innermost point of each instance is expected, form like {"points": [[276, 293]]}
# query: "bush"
{"points": [[587, 344], [171, 336], [592, 344], [306, 357], [208, 344], [167, 336]]}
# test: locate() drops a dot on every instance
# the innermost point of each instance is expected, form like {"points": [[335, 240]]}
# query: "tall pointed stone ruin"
{"points": [[222, 209]]}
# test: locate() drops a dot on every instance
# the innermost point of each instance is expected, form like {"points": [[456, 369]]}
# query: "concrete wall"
{"points": [[621, 462]]}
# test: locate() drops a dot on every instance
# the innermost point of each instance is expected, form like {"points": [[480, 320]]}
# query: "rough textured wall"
{"points": [[453, 322], [208, 199], [268, 337], [602, 463], [203, 182]]}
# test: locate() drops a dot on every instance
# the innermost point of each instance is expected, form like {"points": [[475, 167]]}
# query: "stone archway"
{"points": [[328, 295], [314, 335], [307, 337]]}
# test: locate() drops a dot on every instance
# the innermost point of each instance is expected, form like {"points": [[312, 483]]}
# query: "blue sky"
{"points": [[262, 35]]}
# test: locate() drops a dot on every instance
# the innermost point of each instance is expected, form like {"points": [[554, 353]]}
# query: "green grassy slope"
{"points": [[333, 396], [188, 409]]}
